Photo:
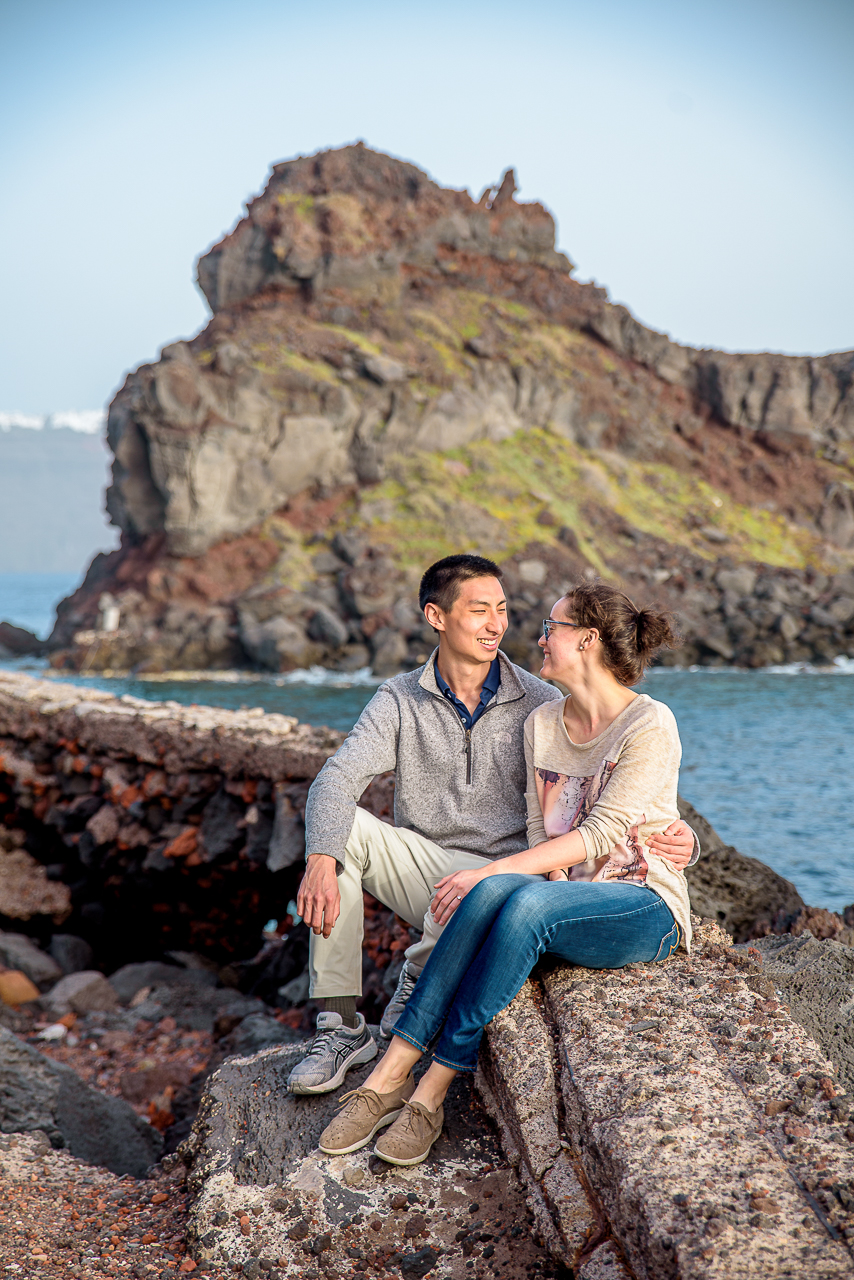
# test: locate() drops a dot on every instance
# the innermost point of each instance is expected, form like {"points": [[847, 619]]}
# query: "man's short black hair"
{"points": [[441, 583]]}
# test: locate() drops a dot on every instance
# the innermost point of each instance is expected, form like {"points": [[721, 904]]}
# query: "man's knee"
{"points": [[364, 833]]}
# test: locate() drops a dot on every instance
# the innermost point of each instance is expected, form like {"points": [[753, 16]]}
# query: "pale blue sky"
{"points": [[698, 156]]}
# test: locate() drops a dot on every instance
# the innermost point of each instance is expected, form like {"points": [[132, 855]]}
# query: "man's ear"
{"points": [[435, 617]]}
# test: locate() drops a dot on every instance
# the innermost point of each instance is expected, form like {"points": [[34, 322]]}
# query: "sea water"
{"points": [[29, 599], [768, 756]]}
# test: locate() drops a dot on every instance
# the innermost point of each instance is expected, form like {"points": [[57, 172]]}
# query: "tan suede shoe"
{"points": [[363, 1112], [410, 1138]]}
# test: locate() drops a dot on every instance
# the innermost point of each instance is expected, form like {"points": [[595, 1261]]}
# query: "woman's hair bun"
{"points": [[653, 631]]}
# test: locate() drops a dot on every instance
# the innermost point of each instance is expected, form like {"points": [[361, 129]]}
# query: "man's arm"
{"points": [[678, 844], [369, 749]]}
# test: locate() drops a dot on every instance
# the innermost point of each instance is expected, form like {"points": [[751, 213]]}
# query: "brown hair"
{"points": [[630, 637]]}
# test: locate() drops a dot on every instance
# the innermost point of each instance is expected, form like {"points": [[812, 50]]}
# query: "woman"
{"points": [[602, 775]]}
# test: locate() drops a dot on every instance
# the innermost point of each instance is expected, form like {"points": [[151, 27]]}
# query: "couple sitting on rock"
{"points": [[481, 750]]}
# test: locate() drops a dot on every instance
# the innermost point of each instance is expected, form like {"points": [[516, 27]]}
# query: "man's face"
{"points": [[473, 626]]}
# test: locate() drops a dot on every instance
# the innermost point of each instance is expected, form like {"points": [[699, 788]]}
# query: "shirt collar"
{"points": [[490, 684], [510, 689]]}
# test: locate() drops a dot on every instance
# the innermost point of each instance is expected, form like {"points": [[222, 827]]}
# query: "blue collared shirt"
{"points": [[487, 693]]}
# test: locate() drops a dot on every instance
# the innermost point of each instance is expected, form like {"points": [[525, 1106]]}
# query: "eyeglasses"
{"points": [[550, 623]]}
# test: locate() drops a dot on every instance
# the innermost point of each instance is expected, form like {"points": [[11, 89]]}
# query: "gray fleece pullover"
{"points": [[462, 790]]}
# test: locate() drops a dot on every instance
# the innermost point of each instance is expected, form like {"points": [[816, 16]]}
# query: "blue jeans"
{"points": [[497, 934]]}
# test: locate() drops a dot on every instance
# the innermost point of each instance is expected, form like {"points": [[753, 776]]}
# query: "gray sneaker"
{"points": [[396, 1005], [334, 1050]]}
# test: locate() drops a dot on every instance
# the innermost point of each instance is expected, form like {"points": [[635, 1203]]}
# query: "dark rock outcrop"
{"points": [[17, 642], [745, 896], [36, 1094], [816, 979]]}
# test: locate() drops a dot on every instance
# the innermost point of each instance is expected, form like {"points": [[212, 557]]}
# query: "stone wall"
{"points": [[172, 827]]}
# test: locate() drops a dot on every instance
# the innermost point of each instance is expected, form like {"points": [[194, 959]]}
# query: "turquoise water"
{"points": [[767, 755]]}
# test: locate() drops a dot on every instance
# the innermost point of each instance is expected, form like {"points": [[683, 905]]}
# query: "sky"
{"points": [[697, 155]]}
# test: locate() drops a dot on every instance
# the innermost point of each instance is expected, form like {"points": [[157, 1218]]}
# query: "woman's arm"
{"points": [[552, 855], [535, 825]]}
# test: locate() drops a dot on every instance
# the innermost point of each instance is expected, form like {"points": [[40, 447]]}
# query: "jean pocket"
{"points": [[669, 943]]}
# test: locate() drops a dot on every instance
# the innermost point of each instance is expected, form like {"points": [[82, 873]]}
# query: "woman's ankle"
{"points": [[433, 1087], [394, 1067], [386, 1081], [432, 1099]]}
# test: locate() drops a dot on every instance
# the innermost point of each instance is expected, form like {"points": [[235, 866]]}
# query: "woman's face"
{"points": [[560, 647]]}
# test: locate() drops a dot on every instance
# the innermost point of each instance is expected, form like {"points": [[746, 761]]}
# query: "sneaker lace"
{"points": [[320, 1043], [406, 985]]}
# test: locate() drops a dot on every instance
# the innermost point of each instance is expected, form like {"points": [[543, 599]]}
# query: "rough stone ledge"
{"points": [[167, 734], [673, 1121], [669, 1122], [266, 1201]]}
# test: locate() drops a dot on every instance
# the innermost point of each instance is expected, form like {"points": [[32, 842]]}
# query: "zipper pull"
{"points": [[467, 750]]}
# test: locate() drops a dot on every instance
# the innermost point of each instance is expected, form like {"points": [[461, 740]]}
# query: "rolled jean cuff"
{"points": [[443, 1062], [401, 1035], [453, 1066]]}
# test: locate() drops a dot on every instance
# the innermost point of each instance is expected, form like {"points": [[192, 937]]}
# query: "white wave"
{"points": [[89, 421], [316, 677], [841, 665], [27, 421], [322, 676]]}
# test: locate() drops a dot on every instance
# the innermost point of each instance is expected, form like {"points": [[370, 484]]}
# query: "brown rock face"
{"points": [[351, 219], [270, 473]]}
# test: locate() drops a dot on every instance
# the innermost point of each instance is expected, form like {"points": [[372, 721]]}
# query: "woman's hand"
{"points": [[451, 890], [558, 874], [676, 844]]}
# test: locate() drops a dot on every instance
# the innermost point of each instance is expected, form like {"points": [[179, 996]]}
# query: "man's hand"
{"points": [[676, 844], [319, 899]]}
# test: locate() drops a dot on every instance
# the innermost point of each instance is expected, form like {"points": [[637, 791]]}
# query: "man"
{"points": [[452, 733]]}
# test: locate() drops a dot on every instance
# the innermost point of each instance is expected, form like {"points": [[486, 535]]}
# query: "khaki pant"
{"points": [[399, 868]]}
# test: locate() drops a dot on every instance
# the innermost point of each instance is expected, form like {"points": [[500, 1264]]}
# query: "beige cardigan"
{"points": [[616, 790]]}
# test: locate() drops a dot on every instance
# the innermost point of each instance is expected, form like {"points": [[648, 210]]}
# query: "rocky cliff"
{"points": [[393, 371]]}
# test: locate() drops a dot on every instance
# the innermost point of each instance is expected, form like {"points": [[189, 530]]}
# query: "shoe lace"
{"points": [[350, 1101], [320, 1043], [411, 1120], [406, 985]]}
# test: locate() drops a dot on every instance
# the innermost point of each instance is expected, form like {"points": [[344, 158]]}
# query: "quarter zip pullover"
{"points": [[468, 800]]}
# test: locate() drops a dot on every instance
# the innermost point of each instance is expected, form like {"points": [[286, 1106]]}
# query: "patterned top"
{"points": [[616, 790]]}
